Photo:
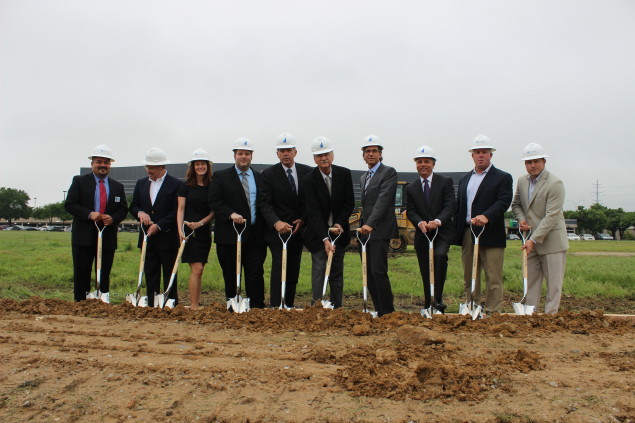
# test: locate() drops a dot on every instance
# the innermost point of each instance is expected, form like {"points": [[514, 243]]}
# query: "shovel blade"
{"points": [[92, 295], [529, 309], [158, 300], [425, 312], [238, 304], [477, 313], [141, 302], [327, 305], [464, 309], [105, 297], [519, 308]]}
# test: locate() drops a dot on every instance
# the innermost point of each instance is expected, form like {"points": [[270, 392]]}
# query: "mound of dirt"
{"points": [[92, 361]]}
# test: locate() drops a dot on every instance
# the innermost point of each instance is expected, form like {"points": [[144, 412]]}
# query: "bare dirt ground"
{"points": [[93, 362]]}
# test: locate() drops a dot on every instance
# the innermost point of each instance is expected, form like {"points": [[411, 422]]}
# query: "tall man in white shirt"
{"points": [[483, 196]]}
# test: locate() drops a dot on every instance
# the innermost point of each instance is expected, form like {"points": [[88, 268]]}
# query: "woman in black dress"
{"points": [[194, 209]]}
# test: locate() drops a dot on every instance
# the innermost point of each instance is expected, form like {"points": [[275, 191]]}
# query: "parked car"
{"points": [[514, 237], [587, 237], [573, 237], [604, 237]]}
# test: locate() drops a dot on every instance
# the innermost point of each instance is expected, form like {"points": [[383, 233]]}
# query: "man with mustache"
{"points": [[95, 199]]}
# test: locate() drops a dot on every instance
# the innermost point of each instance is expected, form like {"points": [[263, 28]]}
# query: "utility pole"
{"points": [[597, 191]]}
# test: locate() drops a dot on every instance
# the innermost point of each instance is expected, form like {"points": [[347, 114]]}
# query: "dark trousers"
{"points": [[156, 261], [336, 277], [440, 269], [294, 257], [83, 258], [378, 281], [253, 256]]}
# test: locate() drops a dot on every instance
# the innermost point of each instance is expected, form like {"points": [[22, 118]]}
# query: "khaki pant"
{"points": [[549, 267], [490, 260]]}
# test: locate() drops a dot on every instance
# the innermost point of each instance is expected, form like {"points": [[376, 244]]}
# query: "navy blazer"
{"points": [[162, 212], [492, 200], [227, 196], [442, 206], [80, 202], [278, 202], [319, 205]]}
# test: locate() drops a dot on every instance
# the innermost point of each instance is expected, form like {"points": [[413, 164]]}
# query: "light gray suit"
{"points": [[378, 212], [543, 213]]}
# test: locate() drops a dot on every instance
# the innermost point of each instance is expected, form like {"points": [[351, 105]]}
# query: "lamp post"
{"points": [[35, 201]]}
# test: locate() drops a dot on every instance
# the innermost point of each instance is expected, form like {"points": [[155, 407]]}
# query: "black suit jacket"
{"points": [[319, 206], [162, 212], [226, 196], [492, 199], [278, 202], [80, 202], [442, 206]]}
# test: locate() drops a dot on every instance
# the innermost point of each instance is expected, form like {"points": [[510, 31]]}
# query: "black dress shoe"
{"points": [[441, 307]]}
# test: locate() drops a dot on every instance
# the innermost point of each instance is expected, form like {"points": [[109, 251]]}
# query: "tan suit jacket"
{"points": [[543, 212]]}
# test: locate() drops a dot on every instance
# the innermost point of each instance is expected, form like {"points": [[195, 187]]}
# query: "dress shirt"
{"points": [[155, 186], [532, 185], [429, 178], [472, 188], [294, 172], [97, 203], [252, 191], [373, 170]]}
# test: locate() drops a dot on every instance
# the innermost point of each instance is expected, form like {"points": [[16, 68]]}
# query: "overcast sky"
{"points": [[186, 74]]}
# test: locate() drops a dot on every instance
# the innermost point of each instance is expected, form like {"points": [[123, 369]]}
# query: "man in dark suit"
{"points": [[234, 195], [154, 204], [95, 199], [484, 195], [329, 201], [282, 207], [378, 220], [430, 206]]}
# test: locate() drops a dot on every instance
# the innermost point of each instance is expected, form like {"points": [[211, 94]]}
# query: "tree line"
{"points": [[14, 204]]}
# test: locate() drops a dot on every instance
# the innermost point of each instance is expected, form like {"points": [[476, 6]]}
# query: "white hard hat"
{"points": [[285, 140], [199, 154], [321, 145], [243, 143], [480, 142], [372, 140], [102, 150], [533, 151], [425, 151], [155, 157]]}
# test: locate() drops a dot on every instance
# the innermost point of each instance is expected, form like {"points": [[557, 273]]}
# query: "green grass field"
{"points": [[40, 263]]}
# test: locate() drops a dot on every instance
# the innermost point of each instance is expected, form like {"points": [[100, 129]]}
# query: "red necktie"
{"points": [[102, 197]]}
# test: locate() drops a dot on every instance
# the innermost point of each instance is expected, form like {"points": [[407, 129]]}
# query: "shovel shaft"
{"points": [[99, 256], [431, 266], [283, 278], [364, 268], [525, 267], [238, 257], [142, 261]]}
